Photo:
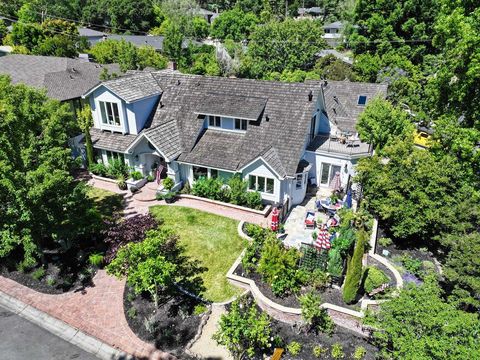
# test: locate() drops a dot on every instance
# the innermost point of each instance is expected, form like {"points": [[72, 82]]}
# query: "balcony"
{"points": [[345, 146]]}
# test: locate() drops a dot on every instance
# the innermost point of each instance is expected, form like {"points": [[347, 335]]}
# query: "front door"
{"points": [[327, 172]]}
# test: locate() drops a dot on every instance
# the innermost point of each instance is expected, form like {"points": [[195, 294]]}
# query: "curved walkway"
{"points": [[97, 311]]}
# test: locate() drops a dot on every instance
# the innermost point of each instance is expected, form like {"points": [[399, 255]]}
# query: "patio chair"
{"points": [[309, 219]]}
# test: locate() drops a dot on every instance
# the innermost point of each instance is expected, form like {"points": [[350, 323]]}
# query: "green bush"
{"points": [[132, 312], [335, 263], [199, 309], [428, 267], [359, 353], [208, 188], [319, 279], [122, 184], [253, 200], [150, 178], [413, 266], [186, 188], [117, 168], [385, 241], [314, 315], [374, 278], [343, 243], [354, 269], [136, 175], [98, 169], [50, 280], [238, 189], [254, 247], [96, 259], [294, 348], [337, 351], [39, 273], [318, 351], [168, 183]]}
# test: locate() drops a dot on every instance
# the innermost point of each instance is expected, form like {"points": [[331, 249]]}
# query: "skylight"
{"points": [[362, 100]]}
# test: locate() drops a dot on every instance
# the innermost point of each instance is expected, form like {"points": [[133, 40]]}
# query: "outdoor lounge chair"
{"points": [[310, 219]]}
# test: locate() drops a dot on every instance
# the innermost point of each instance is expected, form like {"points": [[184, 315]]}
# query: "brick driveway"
{"points": [[98, 311]]}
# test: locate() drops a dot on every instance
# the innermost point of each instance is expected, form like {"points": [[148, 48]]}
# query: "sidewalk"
{"points": [[98, 312]]}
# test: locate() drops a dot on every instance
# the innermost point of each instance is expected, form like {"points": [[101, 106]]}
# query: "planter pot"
{"points": [[137, 183], [170, 200]]}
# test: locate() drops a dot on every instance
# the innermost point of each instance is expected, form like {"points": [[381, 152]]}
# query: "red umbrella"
{"points": [[275, 219], [323, 239]]}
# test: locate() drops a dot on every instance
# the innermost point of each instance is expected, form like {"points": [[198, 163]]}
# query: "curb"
{"points": [[61, 329]]}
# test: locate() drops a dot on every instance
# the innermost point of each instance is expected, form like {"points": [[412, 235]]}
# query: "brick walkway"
{"points": [[98, 311]]}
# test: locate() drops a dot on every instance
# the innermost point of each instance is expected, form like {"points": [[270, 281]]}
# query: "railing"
{"points": [[325, 143]]}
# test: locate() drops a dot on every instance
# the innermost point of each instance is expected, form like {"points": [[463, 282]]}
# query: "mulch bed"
{"points": [[329, 295], [346, 338], [173, 324]]}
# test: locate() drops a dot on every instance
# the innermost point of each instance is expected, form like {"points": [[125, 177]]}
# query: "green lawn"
{"points": [[211, 239], [108, 203]]}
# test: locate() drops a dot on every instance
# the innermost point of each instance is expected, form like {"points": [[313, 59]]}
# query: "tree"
{"points": [[200, 27], [172, 43], [354, 269], [233, 24], [3, 30], [278, 46], [462, 268], [42, 205], [314, 315], [331, 68], [146, 265], [243, 330], [381, 123], [419, 324], [85, 122]]}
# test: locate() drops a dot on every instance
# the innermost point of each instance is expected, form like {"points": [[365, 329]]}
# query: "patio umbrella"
{"points": [[336, 183], [159, 174], [275, 219], [348, 200], [323, 239]]}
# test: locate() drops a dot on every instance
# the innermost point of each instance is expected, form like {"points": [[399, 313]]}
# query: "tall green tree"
{"points": [[172, 44], [42, 205], [354, 269], [233, 24], [85, 122], [419, 324]]}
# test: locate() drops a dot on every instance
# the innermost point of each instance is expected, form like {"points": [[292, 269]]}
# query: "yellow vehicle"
{"points": [[423, 137]]}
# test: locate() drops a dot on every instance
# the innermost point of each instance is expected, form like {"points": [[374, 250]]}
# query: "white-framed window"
{"points": [[241, 124], [113, 155], [199, 171], [213, 173], [261, 184], [109, 113], [214, 121], [327, 173], [299, 181]]}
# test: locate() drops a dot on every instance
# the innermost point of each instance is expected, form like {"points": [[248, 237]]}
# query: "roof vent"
{"points": [[267, 118], [178, 82], [161, 104], [71, 77], [334, 110], [310, 96], [335, 98], [325, 83]]}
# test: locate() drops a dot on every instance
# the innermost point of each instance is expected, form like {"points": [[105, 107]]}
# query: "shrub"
{"points": [[169, 196], [374, 278], [428, 267], [254, 247], [318, 351], [150, 178], [412, 265], [50, 280], [238, 189], [244, 329], [136, 175], [39, 273], [335, 263], [385, 241], [253, 200], [294, 348], [186, 188], [122, 184], [98, 169], [132, 312], [159, 196], [319, 279], [343, 243], [199, 309], [96, 259], [359, 353], [354, 269], [337, 351], [117, 168], [168, 183], [207, 187], [314, 315]]}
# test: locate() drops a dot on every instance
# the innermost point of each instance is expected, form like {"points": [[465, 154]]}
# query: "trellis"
{"points": [[312, 258]]}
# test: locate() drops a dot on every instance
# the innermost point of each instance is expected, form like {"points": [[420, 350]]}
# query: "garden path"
{"points": [[207, 348]]}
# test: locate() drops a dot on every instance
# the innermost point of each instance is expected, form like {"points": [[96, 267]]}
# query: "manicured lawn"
{"points": [[211, 239], [108, 203]]}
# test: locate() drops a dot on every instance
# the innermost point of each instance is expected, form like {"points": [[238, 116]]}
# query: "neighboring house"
{"points": [[313, 11], [326, 52], [333, 33], [277, 136], [156, 42], [207, 15]]}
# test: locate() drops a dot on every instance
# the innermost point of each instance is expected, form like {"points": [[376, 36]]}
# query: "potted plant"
{"points": [[122, 185], [168, 184], [319, 222], [169, 197]]}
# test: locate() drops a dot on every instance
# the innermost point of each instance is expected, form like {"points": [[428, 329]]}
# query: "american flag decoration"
{"points": [[323, 239]]}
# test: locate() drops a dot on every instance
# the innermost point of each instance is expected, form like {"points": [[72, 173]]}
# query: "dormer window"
{"points": [[241, 124], [110, 114], [214, 121], [362, 100]]}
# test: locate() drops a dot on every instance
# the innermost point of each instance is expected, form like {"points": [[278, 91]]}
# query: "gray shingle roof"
{"points": [[341, 101], [243, 107], [272, 158], [134, 87], [141, 40], [111, 141], [63, 78], [89, 32], [167, 138], [334, 25]]}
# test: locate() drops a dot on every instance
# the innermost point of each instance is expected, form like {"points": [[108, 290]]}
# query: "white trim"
{"points": [[265, 162], [336, 155], [208, 167], [138, 139], [106, 149], [225, 116]]}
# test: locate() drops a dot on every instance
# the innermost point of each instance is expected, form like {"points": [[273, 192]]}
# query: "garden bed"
{"points": [[264, 212], [170, 327]]}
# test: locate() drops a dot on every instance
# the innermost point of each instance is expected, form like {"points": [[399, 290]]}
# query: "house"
{"points": [[333, 33], [312, 11], [277, 136], [326, 52], [208, 15]]}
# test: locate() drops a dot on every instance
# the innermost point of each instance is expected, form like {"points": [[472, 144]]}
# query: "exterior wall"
{"points": [[228, 124], [144, 157], [139, 112], [323, 125], [316, 159], [102, 94], [259, 168]]}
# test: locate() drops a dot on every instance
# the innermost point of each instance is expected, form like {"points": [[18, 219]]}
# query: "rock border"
{"points": [[203, 322]]}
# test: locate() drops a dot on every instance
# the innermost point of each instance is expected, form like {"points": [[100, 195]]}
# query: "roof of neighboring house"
{"points": [[90, 32], [202, 11], [312, 10], [140, 40], [282, 115], [111, 141], [341, 101], [134, 87], [63, 78], [338, 55], [334, 25]]}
